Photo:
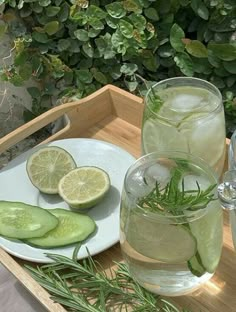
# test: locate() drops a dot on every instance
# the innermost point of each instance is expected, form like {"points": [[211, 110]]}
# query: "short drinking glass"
{"points": [[185, 114], [171, 222]]}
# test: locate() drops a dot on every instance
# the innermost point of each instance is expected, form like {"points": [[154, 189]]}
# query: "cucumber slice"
{"points": [[161, 241], [208, 231], [195, 266], [73, 227], [19, 220]]}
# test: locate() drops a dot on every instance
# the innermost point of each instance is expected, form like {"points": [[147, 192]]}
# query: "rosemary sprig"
{"points": [[86, 287], [156, 101], [175, 200]]}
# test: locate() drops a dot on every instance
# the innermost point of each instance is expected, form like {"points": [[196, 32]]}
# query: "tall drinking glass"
{"points": [[171, 224], [185, 114]]}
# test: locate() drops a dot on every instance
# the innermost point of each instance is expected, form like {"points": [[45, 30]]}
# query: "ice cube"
{"points": [[186, 102], [144, 179], [137, 185], [157, 173]]}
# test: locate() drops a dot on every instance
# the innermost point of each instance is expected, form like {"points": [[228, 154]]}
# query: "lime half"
{"points": [[163, 242], [84, 187], [47, 166]]}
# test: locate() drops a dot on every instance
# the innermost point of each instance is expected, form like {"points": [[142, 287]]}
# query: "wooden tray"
{"points": [[115, 116]]}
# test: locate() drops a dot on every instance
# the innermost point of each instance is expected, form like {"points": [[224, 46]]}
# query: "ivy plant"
{"points": [[73, 47]]}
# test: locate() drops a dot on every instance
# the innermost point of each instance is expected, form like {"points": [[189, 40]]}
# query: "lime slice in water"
{"points": [[163, 242], [162, 136], [84, 187], [47, 166]]}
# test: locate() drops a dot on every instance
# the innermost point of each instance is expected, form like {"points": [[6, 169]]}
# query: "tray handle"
{"points": [[43, 120]]}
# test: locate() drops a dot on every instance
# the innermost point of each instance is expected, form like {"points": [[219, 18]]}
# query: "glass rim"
{"points": [[168, 154], [199, 80]]}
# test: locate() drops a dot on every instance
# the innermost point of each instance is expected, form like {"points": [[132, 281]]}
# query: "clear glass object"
{"points": [[171, 243], [185, 114], [227, 189]]}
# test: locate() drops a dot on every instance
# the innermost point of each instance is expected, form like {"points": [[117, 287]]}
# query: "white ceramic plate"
{"points": [[16, 186]]}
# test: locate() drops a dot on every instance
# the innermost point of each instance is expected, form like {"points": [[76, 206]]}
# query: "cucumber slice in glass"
{"points": [[160, 241], [19, 220], [73, 227], [208, 231]]}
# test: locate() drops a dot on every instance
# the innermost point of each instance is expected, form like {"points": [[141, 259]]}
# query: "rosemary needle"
{"points": [[85, 287]]}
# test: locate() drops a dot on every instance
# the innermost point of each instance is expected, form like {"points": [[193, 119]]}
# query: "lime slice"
{"points": [[163, 242], [207, 139], [47, 166], [208, 231], [84, 187], [162, 136]]}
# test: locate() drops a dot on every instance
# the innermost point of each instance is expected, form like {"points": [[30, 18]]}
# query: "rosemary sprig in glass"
{"points": [[86, 287], [171, 198]]}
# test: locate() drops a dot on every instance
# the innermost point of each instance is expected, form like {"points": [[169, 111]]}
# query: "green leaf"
{"points": [[133, 6], [112, 22], [21, 58], [115, 10], [63, 15], [115, 72], [94, 11], [132, 85], [34, 92], [218, 82], [84, 75], [96, 24], [36, 7], [88, 49], [93, 33], [25, 71], [152, 14], [25, 12], [51, 28], [138, 21], [200, 9], [196, 48], [63, 44], [230, 66], [101, 44], [128, 69], [126, 29], [40, 37], [100, 77], [44, 3], [185, 64], [81, 34], [52, 11], [176, 36], [166, 50], [149, 60], [224, 51]]}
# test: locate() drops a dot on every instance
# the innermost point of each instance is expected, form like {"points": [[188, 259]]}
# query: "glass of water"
{"points": [[185, 114], [171, 224]]}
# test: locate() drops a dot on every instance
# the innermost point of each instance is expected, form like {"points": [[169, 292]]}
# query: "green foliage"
{"points": [[77, 46]]}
